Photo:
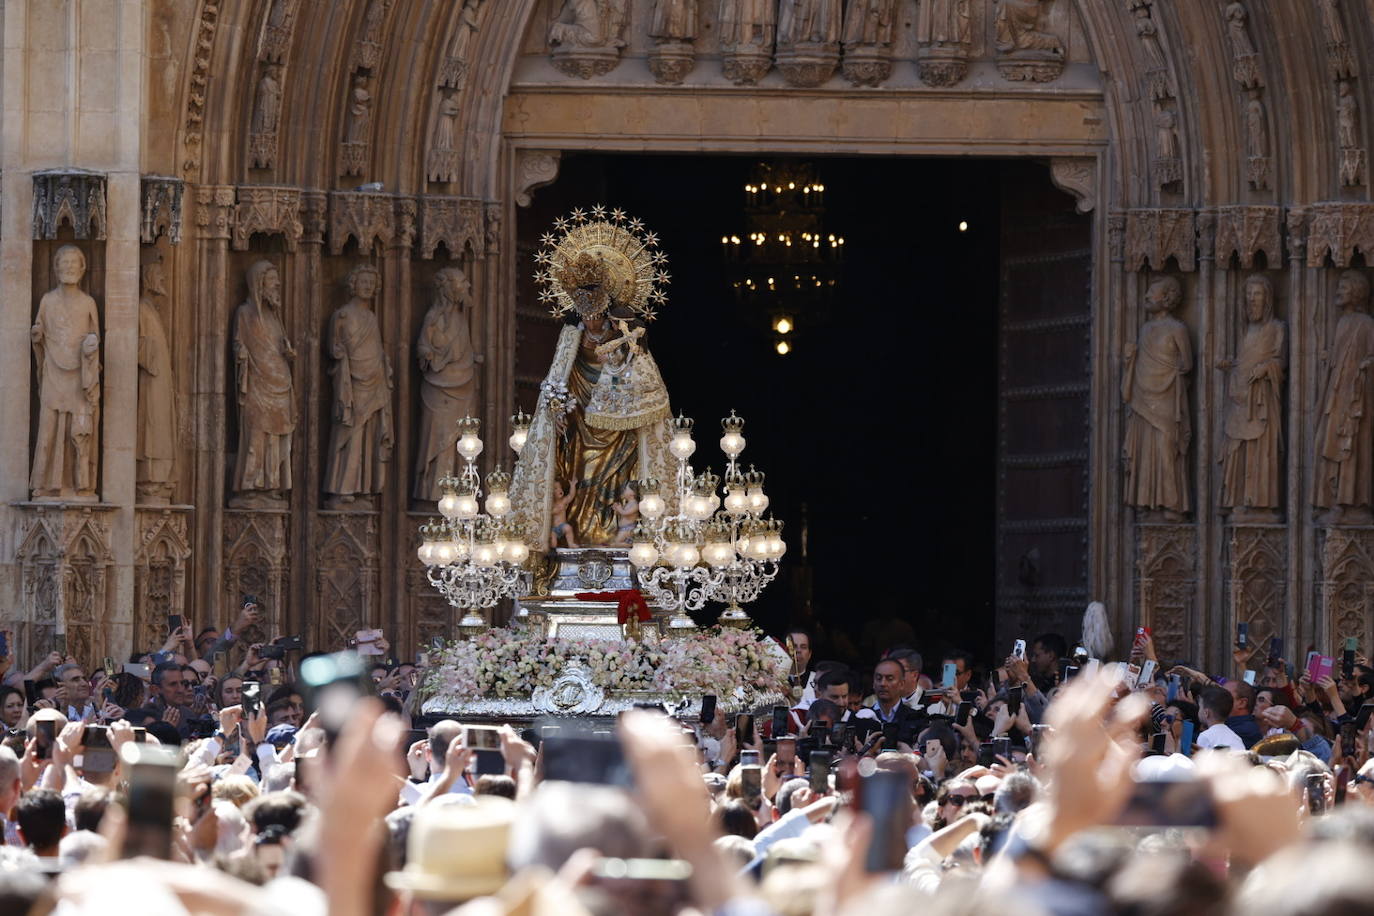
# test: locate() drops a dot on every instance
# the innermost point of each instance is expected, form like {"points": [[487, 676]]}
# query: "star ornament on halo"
{"points": [[598, 212]]}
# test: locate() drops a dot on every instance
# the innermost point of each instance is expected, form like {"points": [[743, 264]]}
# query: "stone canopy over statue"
{"points": [[599, 424]]}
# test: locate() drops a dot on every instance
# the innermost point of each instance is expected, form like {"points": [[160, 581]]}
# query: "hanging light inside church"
{"points": [[783, 347], [963, 225], [732, 436], [782, 324]]}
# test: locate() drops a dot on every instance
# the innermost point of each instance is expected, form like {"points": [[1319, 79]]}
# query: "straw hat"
{"points": [[457, 853]]}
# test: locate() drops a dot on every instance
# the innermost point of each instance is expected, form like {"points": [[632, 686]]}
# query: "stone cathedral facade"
{"points": [[225, 226]]}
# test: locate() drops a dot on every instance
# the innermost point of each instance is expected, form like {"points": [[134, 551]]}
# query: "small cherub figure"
{"points": [[627, 511], [560, 526], [629, 338]]}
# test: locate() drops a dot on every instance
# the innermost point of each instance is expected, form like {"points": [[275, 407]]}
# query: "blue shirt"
{"points": [[1246, 728]]}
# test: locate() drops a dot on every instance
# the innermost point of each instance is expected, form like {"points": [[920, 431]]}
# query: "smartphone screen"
{"points": [[1275, 652], [173, 623], [751, 785], [1316, 794], [890, 736], [962, 713], [708, 709], [749, 758], [1242, 635], [886, 798], [779, 722], [1037, 739], [1174, 684], [4, 644], [744, 730], [45, 730], [949, 676], [1157, 742], [251, 698], [1014, 701], [1185, 740], [987, 755], [1018, 649], [1342, 784], [787, 752], [1362, 717], [819, 772]]}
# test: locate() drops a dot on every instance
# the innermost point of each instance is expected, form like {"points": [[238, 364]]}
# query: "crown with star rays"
{"points": [[599, 258]]}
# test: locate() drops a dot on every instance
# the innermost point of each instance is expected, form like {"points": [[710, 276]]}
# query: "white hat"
{"points": [[1160, 768], [457, 853]]}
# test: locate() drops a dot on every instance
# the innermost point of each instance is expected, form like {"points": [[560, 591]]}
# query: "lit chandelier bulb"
{"points": [[758, 500], [736, 502], [651, 506], [517, 552], [498, 504], [643, 554], [465, 506]]}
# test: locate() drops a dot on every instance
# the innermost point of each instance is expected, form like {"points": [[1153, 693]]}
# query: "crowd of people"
{"points": [[1045, 782]]}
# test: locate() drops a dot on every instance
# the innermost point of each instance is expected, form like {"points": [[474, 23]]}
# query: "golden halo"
{"points": [[629, 262]]}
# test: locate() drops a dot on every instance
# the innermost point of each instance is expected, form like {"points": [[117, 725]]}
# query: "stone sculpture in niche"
{"points": [[262, 137], [1345, 441], [673, 29], [809, 40], [1245, 62], [66, 350], [359, 111], [588, 35], [157, 435], [1026, 50], [867, 41], [1253, 424], [748, 29], [1348, 134], [448, 385], [1168, 164], [944, 31], [442, 164], [1257, 141], [454, 69], [1155, 389], [361, 437], [265, 393]]}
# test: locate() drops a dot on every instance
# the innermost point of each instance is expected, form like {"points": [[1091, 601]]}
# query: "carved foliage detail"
{"points": [[1154, 236], [1166, 567], [455, 222], [161, 208], [1247, 231], [1258, 585], [1079, 178], [370, 218], [215, 211], [72, 195], [1340, 230], [1347, 586], [200, 78], [64, 556], [256, 562], [160, 563], [271, 211]]}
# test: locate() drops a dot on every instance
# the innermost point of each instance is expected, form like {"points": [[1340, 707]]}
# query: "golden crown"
{"points": [[705, 485], [754, 478], [498, 481], [650, 485], [680, 424], [593, 259], [732, 424]]}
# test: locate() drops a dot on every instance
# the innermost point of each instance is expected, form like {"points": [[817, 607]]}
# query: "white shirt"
{"points": [[1219, 736]]}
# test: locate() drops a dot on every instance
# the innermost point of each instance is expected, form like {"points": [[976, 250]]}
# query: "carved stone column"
{"points": [[1301, 429], [308, 287], [210, 392], [394, 550]]}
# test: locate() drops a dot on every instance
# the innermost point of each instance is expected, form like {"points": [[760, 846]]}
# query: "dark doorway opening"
{"points": [[879, 430]]}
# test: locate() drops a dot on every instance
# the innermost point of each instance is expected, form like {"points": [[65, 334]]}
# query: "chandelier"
{"points": [[476, 558], [708, 549], [786, 264]]}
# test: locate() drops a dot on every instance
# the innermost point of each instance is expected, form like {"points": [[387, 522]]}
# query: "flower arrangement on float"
{"points": [[514, 662]]}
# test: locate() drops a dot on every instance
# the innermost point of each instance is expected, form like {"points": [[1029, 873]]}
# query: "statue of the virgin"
{"points": [[600, 420]]}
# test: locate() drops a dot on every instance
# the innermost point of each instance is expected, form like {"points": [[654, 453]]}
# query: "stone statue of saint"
{"points": [[1331, 22], [809, 22], [1166, 133], [590, 24], [448, 384], [747, 23], [1256, 126], [943, 22], [1347, 116], [1345, 438], [361, 437], [359, 112], [446, 127], [268, 109], [1155, 389], [1236, 17], [1019, 29], [869, 22], [675, 20], [374, 20], [66, 350], [266, 393], [1253, 423], [157, 435]]}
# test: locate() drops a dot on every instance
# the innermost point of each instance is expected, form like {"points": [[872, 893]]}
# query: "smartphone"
{"points": [[152, 790], [1362, 717], [586, 758], [144, 672], [1348, 658], [1157, 743], [1037, 738], [488, 763], [1070, 672], [1147, 673], [1185, 740], [98, 756], [1249, 676], [1001, 747], [31, 692], [174, 623], [1242, 635], [481, 737], [1175, 682], [787, 752], [708, 709], [1275, 652], [4, 644], [1018, 649], [1014, 701], [250, 697], [779, 724], [987, 754], [1184, 803], [886, 798], [962, 713], [744, 730], [751, 785], [1342, 783], [889, 736], [818, 771], [750, 758], [950, 676], [250, 599], [1316, 794], [1348, 747], [45, 730]]}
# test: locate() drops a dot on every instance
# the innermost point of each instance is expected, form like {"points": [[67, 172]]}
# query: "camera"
{"points": [[272, 652]]}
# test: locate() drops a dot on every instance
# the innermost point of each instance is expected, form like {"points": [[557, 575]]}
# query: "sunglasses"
{"points": [[958, 801]]}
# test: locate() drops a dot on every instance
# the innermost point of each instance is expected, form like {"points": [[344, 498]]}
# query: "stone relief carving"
{"points": [[1079, 178], [448, 382], [1258, 586], [346, 575], [64, 557], [1155, 391], [534, 169], [1340, 59], [1244, 60], [1158, 77], [674, 30], [357, 135], [162, 199], [1168, 162], [1247, 231], [262, 131], [944, 33], [1345, 438], [1258, 163], [367, 50], [588, 36], [265, 393], [1347, 586], [256, 562], [362, 436], [1166, 566], [1253, 425], [1340, 230], [74, 195], [454, 222], [748, 30], [443, 160], [808, 41], [368, 217], [276, 35], [1348, 135], [493, 212], [270, 211], [193, 133], [1155, 236], [157, 426], [453, 71], [867, 41], [66, 351], [164, 550], [1026, 51]]}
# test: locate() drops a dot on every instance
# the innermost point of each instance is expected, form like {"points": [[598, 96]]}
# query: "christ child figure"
{"points": [[627, 515], [560, 527]]}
